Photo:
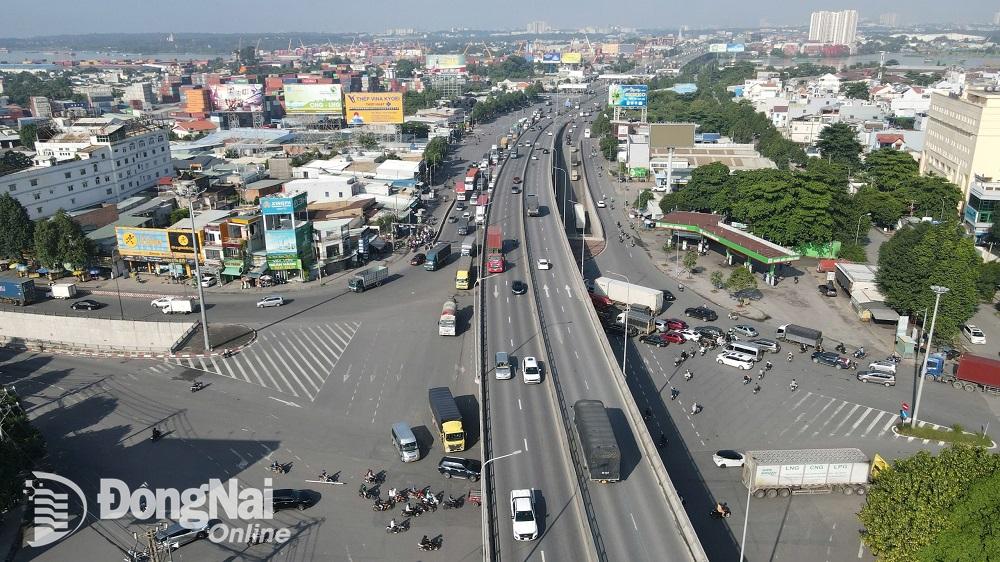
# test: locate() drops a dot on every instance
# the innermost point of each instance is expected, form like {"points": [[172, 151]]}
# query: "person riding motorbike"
{"points": [[673, 393], [793, 385], [721, 508], [790, 356], [768, 366], [756, 388], [156, 434], [746, 379], [694, 408], [370, 476], [688, 374]]}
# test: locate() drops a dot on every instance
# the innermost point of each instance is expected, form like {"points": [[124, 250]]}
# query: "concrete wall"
{"points": [[91, 333]]}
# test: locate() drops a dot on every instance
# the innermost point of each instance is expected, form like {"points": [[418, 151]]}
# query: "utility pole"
{"points": [[938, 291], [189, 191]]}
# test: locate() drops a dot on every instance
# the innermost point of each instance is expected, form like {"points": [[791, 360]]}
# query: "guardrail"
{"points": [[590, 514], [649, 449]]}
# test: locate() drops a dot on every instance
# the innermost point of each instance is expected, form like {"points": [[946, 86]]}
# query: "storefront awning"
{"points": [[881, 312], [256, 272], [378, 244], [232, 271]]}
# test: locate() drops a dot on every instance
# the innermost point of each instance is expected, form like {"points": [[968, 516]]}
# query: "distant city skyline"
{"points": [[56, 17]]}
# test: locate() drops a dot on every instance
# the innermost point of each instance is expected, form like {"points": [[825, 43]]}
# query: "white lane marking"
{"points": [[508, 319], [874, 421], [634, 526], [832, 400], [286, 402], [525, 444], [857, 423], [512, 343], [835, 412], [888, 424], [347, 374], [799, 403], [861, 548], [845, 420], [546, 289], [519, 404]]}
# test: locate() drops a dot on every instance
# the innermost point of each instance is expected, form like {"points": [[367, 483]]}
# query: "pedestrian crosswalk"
{"points": [[295, 361]]}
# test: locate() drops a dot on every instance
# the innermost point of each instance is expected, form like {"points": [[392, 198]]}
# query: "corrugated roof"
{"points": [[805, 456]]}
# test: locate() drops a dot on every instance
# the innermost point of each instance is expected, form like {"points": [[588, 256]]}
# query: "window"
{"points": [[72, 200], [12, 187], [97, 180], [86, 184], [108, 191], [83, 172], [95, 167], [103, 156], [67, 175], [38, 210], [34, 183], [69, 187], [37, 196], [107, 178]]}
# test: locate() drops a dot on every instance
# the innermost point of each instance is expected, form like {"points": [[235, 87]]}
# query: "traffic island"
{"points": [[224, 338], [954, 434]]}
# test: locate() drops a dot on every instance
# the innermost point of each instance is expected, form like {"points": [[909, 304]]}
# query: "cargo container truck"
{"points": [[629, 294], [639, 323], [17, 291], [495, 262], [63, 291], [447, 419], [808, 471], [972, 373], [437, 257], [531, 202]]}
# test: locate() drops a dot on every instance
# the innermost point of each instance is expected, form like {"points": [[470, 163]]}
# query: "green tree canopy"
{"points": [[887, 169], [690, 260], [839, 143], [20, 447], [28, 134], [911, 506], [16, 229], [971, 530], [741, 278], [404, 68], [989, 280], [926, 254], [60, 241], [931, 196], [855, 90]]}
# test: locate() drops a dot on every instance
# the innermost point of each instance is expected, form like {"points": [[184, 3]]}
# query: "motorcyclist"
{"points": [[156, 433], [673, 393], [688, 374], [721, 508], [392, 524], [756, 388], [790, 356], [694, 408], [793, 385], [369, 476], [393, 492], [768, 366], [746, 379]]}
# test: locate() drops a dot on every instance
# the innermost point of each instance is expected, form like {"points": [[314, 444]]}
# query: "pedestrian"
{"points": [[756, 388]]}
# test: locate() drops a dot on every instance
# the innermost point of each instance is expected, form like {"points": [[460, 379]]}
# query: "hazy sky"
{"points": [[49, 17]]}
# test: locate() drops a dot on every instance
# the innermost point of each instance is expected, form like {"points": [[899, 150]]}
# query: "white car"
{"points": [[162, 302], [689, 334], [522, 513], [530, 372], [544, 263], [549, 133], [207, 280], [734, 360], [727, 457], [466, 215], [534, 157], [601, 204], [271, 300], [974, 334]]}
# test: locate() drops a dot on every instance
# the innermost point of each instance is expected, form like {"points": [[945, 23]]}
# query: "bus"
{"points": [[437, 257], [471, 179], [463, 277]]}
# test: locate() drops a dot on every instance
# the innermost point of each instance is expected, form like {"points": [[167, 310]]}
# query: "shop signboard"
{"points": [[279, 264], [142, 241], [374, 108], [280, 205], [180, 241], [550, 58]]}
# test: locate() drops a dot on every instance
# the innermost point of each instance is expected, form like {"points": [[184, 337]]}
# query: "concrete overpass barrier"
{"points": [[91, 333]]}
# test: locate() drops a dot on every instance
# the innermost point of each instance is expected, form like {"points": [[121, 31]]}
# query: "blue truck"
{"points": [[14, 290]]}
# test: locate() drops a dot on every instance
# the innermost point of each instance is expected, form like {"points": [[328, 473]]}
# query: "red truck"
{"points": [[975, 372], [494, 250], [460, 191]]}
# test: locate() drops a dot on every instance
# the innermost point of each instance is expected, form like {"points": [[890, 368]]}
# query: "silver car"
{"points": [[271, 300], [878, 377], [179, 534]]}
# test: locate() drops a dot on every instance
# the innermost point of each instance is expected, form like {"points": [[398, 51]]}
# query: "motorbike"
{"points": [[453, 503], [400, 528], [197, 385], [688, 375], [277, 468], [793, 386], [746, 379], [733, 316], [725, 513], [155, 435], [412, 511], [383, 505], [895, 358], [841, 348], [673, 393], [860, 353], [677, 361], [790, 356], [430, 544]]}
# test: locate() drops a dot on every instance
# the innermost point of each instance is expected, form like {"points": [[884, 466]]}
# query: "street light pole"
{"points": [[482, 470], [746, 521], [857, 233], [938, 291], [582, 232], [565, 189], [628, 307], [189, 192]]}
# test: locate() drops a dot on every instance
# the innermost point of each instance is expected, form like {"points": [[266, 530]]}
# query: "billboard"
{"points": [[671, 135], [736, 48], [238, 97], [571, 58], [313, 99], [374, 107], [142, 241], [180, 241], [282, 205], [627, 95], [550, 58], [444, 61], [717, 48], [280, 242]]}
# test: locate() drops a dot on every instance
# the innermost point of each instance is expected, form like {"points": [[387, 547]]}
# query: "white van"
{"points": [[745, 348], [883, 367], [734, 359], [405, 442]]}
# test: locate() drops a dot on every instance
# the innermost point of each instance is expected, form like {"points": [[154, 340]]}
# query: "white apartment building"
{"points": [[839, 28], [89, 162], [141, 92], [963, 137]]}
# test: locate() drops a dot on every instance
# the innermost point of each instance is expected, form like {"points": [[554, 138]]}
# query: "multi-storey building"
{"points": [[840, 28], [963, 137], [91, 161], [40, 107]]}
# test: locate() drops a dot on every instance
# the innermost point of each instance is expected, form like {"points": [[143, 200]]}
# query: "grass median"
{"points": [[953, 434]]}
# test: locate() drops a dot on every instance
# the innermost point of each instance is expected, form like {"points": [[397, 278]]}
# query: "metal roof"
{"points": [[803, 456]]}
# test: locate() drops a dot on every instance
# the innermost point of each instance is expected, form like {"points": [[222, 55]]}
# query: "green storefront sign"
{"points": [[284, 263]]}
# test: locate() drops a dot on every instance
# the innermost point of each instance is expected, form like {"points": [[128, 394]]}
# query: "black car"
{"points": [[830, 358], [828, 290], [701, 313], [86, 304], [418, 259], [748, 294], [519, 287], [614, 327], [709, 331], [654, 339], [287, 498], [457, 467], [668, 296]]}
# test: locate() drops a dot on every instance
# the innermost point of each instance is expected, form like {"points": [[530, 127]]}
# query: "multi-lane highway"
{"points": [[628, 520]]}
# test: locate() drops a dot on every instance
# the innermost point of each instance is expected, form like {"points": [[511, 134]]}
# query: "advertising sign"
{"points": [[277, 205], [142, 241], [627, 95], [736, 48], [717, 48], [278, 264], [180, 241], [238, 97], [550, 58], [374, 107], [280, 242], [313, 99], [444, 62], [571, 58]]}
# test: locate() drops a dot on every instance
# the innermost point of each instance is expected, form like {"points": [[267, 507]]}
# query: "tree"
{"points": [[989, 280], [716, 279], [60, 241], [13, 161], [855, 90], [690, 260], [179, 214], [887, 169], [434, 154], [839, 143], [971, 530], [741, 278], [419, 130], [908, 503], [931, 196], [20, 447], [643, 199], [852, 252], [28, 134], [367, 141], [931, 254], [404, 68], [16, 229]]}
